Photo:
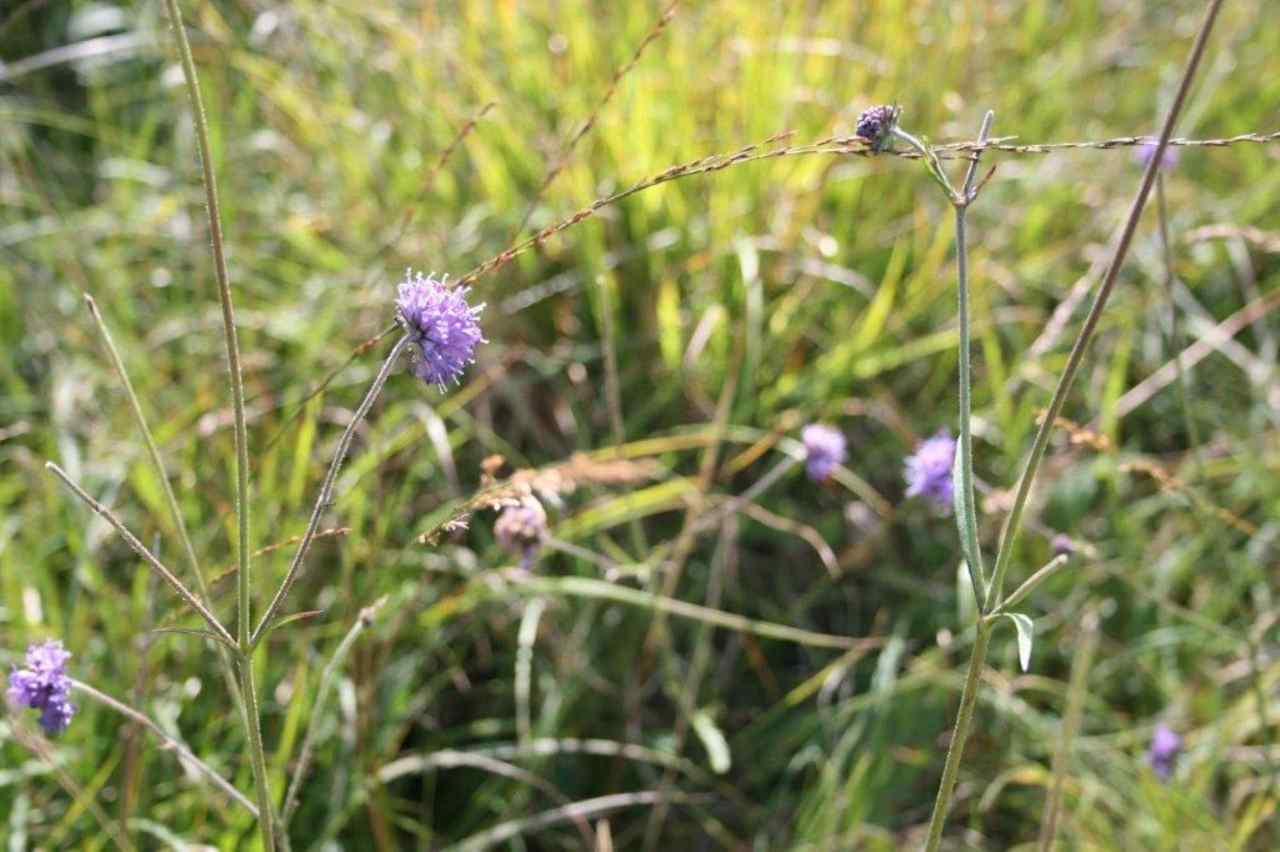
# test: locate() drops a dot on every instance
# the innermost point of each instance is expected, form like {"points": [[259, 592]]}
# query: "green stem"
{"points": [[257, 757], [326, 490], [968, 518], [1014, 521], [251, 720], [175, 512], [955, 751], [228, 316]]}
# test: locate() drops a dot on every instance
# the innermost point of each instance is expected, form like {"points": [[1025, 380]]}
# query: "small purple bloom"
{"points": [[876, 124], [1165, 746], [1144, 152], [522, 529], [43, 685], [824, 450], [443, 327], [928, 472], [1062, 545]]}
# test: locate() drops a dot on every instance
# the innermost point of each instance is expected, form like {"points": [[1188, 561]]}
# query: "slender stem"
{"points": [[955, 750], [968, 518], [1170, 279], [228, 318], [735, 504], [326, 489], [1014, 521], [257, 756], [139, 548], [326, 686], [1070, 726], [175, 512], [170, 744], [243, 578]]}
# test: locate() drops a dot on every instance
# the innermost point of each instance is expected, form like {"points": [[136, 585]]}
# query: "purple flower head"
{"points": [[43, 685], [522, 529], [876, 124], [928, 472], [824, 449], [1144, 152], [1165, 745], [443, 327], [1062, 545]]}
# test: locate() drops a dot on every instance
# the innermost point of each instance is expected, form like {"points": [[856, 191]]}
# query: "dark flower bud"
{"points": [[876, 125]]}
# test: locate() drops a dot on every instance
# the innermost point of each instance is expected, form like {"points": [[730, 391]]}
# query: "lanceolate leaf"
{"points": [[1026, 636]]}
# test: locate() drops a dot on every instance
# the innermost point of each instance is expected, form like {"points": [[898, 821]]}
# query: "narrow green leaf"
{"points": [[1026, 636]]}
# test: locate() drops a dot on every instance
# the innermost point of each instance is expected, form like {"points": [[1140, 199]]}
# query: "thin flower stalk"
{"points": [[139, 548], [171, 501], [168, 742], [993, 597], [326, 488], [243, 578]]}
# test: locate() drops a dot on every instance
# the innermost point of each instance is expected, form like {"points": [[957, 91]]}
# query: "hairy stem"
{"points": [[228, 315], [150, 558], [170, 744], [959, 736], [326, 489], [251, 721], [175, 511], [257, 756], [968, 518]]}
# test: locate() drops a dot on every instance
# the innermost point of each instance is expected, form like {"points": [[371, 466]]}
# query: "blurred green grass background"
{"points": [[736, 306]]}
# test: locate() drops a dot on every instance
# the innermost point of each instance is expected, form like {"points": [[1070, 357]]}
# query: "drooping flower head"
{"points": [[824, 449], [43, 685], [444, 328], [1144, 152], [1165, 746], [928, 472], [522, 529], [876, 124]]}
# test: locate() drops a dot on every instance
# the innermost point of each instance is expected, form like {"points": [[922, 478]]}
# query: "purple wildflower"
{"points": [[824, 450], [1062, 545], [522, 529], [1165, 745], [876, 124], [443, 327], [928, 472], [1144, 152], [43, 685]]}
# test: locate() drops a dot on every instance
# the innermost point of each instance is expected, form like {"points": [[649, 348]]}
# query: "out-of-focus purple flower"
{"points": [[443, 327], [928, 472], [824, 449], [522, 529], [876, 124], [1165, 746], [1062, 545], [43, 685], [1144, 152]]}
